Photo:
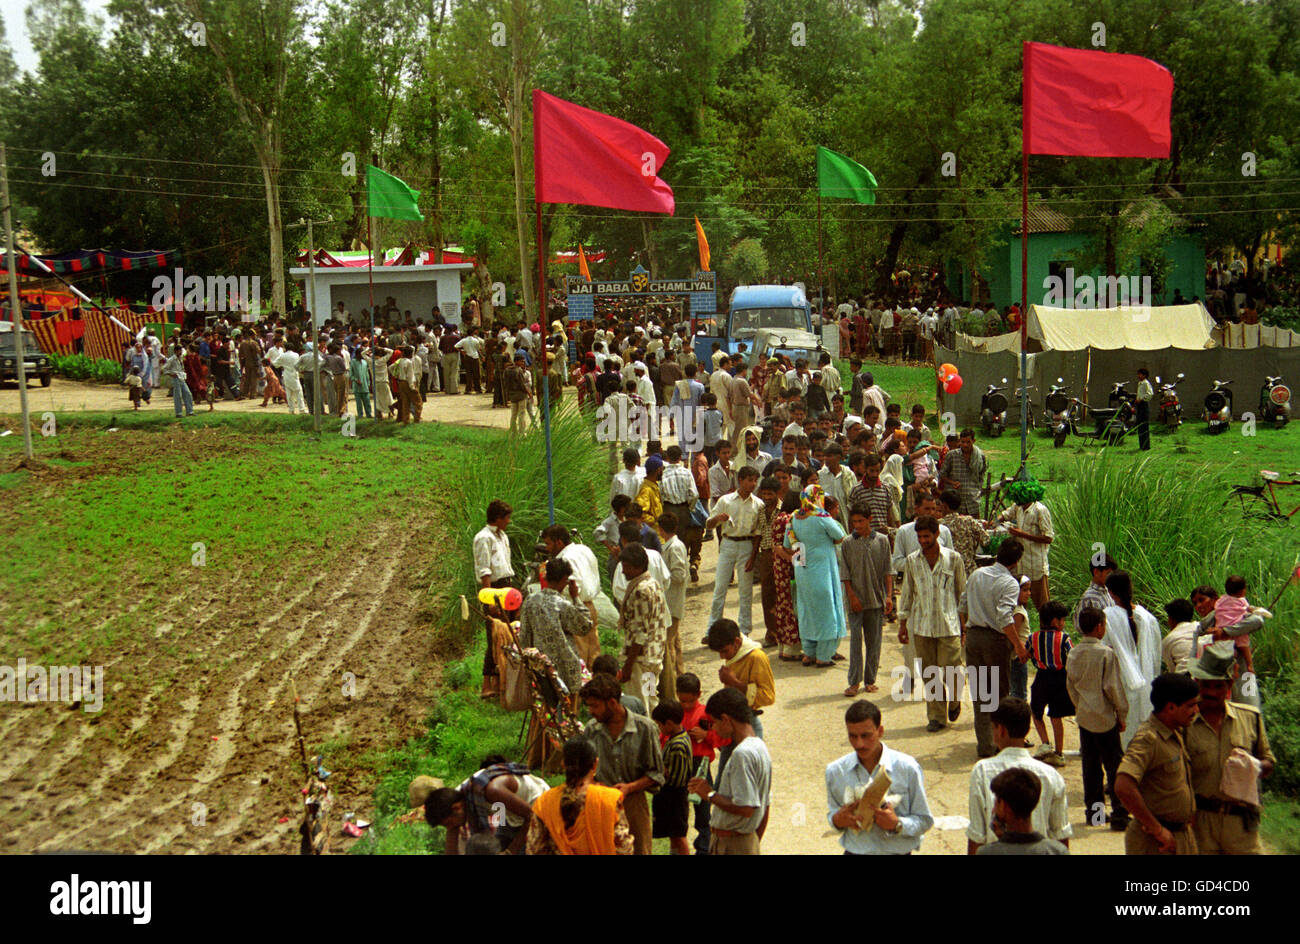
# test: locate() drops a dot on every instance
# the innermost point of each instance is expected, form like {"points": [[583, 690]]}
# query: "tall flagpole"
{"points": [[1024, 261], [821, 305], [15, 305], [1024, 306], [546, 369], [370, 267]]}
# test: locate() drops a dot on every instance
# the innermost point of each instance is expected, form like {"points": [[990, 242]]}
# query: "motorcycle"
{"points": [[1056, 408], [1108, 424], [1124, 403], [993, 410], [1218, 407], [1275, 401], [1171, 410]]}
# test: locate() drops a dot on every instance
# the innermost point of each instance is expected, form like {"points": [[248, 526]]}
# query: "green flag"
{"points": [[837, 176], [390, 197]]}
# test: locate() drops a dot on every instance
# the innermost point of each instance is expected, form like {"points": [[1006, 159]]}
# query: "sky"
{"points": [[14, 13]]}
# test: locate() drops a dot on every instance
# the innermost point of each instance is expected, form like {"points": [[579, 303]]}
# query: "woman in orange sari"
{"points": [[581, 817]]}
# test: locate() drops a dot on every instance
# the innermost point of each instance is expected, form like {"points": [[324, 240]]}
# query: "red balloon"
{"points": [[953, 384]]}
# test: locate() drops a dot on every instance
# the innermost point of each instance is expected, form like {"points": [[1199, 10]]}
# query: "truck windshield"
{"points": [[747, 321], [29, 342]]}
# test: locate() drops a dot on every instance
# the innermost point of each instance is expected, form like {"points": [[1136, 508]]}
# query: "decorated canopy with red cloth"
{"points": [[93, 260]]}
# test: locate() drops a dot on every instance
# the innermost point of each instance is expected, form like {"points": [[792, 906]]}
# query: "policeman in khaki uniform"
{"points": [[1227, 810], [1155, 777]]}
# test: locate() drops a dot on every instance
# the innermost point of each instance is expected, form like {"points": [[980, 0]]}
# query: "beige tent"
{"points": [[1186, 327]]}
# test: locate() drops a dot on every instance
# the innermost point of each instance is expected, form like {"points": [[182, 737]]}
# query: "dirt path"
{"points": [[466, 409], [804, 731]]}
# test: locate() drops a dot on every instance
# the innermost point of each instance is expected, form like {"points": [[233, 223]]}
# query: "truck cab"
{"points": [[751, 309]]}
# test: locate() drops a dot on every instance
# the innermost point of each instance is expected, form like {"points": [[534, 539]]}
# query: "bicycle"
{"points": [[1253, 496], [995, 501]]}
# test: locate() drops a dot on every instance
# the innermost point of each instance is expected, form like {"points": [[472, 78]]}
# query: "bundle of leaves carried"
{"points": [[1025, 490]]}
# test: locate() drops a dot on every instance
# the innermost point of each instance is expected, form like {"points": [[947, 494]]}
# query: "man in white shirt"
{"points": [[831, 380], [585, 577], [628, 481], [471, 348], [493, 569], [887, 332], [905, 541], [658, 569], [928, 618], [1032, 524], [738, 515], [645, 389], [1143, 407], [1051, 818], [872, 395]]}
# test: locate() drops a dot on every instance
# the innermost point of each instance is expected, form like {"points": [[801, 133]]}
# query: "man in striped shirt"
{"points": [[875, 494]]}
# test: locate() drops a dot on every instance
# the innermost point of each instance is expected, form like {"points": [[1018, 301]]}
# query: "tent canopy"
{"points": [[1186, 327]]}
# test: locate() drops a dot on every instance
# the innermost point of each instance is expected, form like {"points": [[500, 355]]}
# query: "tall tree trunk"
{"points": [[268, 157], [516, 122]]}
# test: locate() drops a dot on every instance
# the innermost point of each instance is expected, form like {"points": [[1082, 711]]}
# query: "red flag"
{"points": [[586, 157], [1089, 103]]}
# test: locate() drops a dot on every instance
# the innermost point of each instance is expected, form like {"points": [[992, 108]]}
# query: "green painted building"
{"points": [[1053, 246]]}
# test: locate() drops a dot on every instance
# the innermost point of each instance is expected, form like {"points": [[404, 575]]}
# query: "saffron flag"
{"points": [[702, 241], [593, 159], [582, 264], [839, 176], [390, 197], [1090, 103]]}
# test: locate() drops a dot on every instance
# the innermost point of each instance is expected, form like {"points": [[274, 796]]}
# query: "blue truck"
{"points": [[778, 310]]}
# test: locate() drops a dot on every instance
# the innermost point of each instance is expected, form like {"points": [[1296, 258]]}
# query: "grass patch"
{"points": [[1280, 824]]}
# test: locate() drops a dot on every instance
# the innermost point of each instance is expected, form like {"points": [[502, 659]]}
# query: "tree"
{"points": [[254, 41]]}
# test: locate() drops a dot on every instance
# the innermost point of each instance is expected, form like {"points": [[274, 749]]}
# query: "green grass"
{"points": [[1280, 824], [251, 492]]}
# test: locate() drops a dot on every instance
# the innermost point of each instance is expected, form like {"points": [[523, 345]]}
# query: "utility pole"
{"points": [[15, 304]]}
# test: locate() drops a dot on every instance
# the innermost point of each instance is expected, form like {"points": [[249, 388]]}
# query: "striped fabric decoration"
{"points": [[104, 338], [47, 335]]}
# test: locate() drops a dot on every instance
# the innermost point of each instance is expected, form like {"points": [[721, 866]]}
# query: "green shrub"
{"points": [[1282, 317], [81, 367], [1282, 722], [515, 470]]}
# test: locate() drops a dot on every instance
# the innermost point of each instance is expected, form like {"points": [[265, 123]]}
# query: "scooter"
{"points": [[1275, 401], [1218, 407], [1056, 408], [1171, 410], [993, 410]]}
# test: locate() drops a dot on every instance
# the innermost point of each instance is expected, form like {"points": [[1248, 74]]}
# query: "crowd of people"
{"points": [[849, 518]]}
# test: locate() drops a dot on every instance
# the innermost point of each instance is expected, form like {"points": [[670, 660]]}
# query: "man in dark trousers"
{"points": [[450, 360], [1144, 395]]}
